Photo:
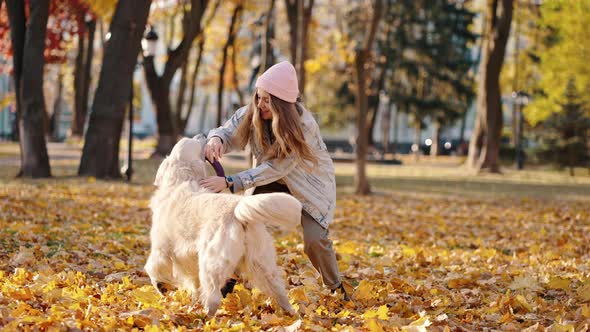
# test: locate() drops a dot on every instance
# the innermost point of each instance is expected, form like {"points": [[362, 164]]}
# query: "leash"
{"points": [[217, 167]]}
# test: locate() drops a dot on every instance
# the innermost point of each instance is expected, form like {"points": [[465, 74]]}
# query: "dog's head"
{"points": [[185, 163]]}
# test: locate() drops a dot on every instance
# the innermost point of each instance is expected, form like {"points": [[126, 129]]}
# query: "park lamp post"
{"points": [[149, 44], [520, 99]]}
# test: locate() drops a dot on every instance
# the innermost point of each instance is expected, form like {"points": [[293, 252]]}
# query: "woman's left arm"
{"points": [[267, 172]]}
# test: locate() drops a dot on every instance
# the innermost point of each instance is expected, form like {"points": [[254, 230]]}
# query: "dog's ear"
{"points": [[161, 171]]}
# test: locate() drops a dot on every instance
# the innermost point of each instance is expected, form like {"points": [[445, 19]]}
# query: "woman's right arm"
{"points": [[226, 132]]}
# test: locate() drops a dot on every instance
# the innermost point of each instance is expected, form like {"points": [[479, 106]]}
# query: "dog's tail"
{"points": [[274, 209]]}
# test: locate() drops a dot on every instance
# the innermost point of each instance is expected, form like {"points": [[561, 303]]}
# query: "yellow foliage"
{"points": [[73, 255], [418, 325], [380, 313], [559, 283], [102, 8], [563, 60], [584, 293]]}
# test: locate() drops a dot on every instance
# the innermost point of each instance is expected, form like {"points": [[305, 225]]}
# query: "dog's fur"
{"points": [[199, 238]]}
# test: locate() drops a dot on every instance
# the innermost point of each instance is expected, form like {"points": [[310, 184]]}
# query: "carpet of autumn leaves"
{"points": [[72, 254]]}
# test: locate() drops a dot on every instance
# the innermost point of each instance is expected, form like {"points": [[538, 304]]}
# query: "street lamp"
{"points": [[149, 44], [520, 99]]}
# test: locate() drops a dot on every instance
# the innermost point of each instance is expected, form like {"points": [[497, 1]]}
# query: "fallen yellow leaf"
{"points": [[418, 325], [522, 303], [558, 283], [584, 293]]}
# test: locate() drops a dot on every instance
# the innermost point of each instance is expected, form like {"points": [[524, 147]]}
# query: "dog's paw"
{"points": [[211, 312], [288, 308], [292, 312], [212, 307]]}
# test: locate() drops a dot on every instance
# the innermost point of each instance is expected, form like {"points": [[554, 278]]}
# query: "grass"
{"points": [[439, 176]]}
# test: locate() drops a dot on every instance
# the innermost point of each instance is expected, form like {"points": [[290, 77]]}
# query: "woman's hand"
{"points": [[213, 183], [214, 149]]}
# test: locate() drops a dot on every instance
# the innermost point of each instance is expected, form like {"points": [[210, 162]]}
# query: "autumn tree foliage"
{"points": [[561, 52], [62, 26]]}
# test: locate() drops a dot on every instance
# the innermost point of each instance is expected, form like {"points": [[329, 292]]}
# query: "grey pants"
{"points": [[316, 244]]}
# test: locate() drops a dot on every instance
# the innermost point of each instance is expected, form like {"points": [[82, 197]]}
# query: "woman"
{"points": [[290, 157]]}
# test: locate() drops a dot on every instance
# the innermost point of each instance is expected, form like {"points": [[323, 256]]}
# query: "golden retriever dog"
{"points": [[199, 238]]}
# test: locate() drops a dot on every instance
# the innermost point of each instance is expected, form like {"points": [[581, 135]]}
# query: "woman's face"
{"points": [[263, 103]]}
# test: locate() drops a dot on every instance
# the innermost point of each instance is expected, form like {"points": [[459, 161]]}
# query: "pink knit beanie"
{"points": [[280, 81]]}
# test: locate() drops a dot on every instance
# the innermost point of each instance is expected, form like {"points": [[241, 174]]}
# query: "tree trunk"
{"points": [[91, 27], [57, 107], [100, 155], [571, 158], [194, 74], [484, 148], [373, 101], [396, 129], [160, 92], [463, 124], [17, 20], [203, 114], [79, 109], [267, 35], [299, 17], [101, 33], [171, 31], [28, 45], [32, 135], [386, 126], [193, 85], [515, 85], [361, 181], [378, 85], [434, 148], [235, 79], [231, 35], [159, 85], [178, 110], [362, 55], [83, 76]]}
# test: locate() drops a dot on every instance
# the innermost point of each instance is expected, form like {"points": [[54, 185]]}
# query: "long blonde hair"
{"points": [[286, 128]]}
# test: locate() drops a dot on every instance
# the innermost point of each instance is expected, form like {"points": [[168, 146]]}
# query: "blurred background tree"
{"points": [[159, 84], [563, 136], [563, 57], [484, 148], [100, 154], [28, 30]]}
